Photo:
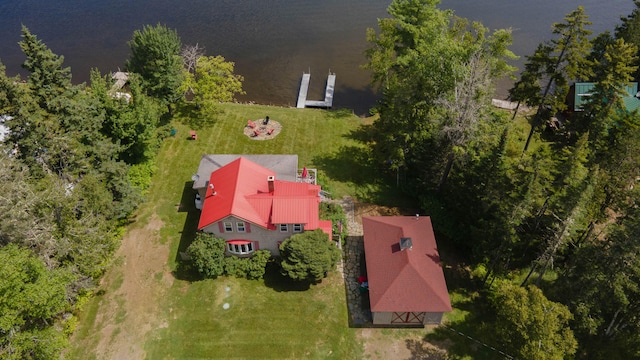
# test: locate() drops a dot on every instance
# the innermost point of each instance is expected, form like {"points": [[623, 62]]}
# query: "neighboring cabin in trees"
{"points": [[405, 279], [249, 207], [580, 93]]}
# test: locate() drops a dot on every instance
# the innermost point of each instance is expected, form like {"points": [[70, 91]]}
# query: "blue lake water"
{"points": [[271, 41]]}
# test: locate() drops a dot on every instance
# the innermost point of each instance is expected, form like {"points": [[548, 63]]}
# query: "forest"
{"points": [[555, 211], [548, 222]]}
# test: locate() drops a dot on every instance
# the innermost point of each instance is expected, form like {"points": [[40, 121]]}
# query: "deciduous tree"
{"points": [[529, 326]]}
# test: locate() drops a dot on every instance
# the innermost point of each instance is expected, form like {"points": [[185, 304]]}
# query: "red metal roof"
{"points": [[407, 280], [242, 190]]}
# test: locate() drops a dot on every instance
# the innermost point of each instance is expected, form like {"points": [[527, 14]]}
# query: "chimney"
{"points": [[271, 179], [405, 243]]}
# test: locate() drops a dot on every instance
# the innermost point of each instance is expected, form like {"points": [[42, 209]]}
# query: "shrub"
{"points": [[257, 264], [207, 254], [335, 213], [308, 256], [235, 266]]}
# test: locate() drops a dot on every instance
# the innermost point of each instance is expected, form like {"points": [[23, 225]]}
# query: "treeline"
{"points": [[554, 208], [73, 168]]}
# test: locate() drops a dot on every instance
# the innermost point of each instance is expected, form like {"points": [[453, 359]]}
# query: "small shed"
{"points": [[406, 282]]}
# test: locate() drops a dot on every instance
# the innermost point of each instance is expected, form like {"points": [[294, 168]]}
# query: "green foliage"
{"points": [[140, 175], [258, 264], [334, 213], [48, 79], [235, 266], [207, 254], [155, 56], [213, 82], [308, 256], [602, 288], [31, 297], [436, 73], [529, 326], [545, 82], [629, 31]]}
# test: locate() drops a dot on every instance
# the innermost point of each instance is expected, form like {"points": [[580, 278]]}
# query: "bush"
{"points": [[207, 254], [335, 213], [308, 256], [235, 266], [258, 264], [140, 175]]}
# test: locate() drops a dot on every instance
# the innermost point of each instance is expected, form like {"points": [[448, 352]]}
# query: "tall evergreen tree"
{"points": [[48, 79], [554, 64], [155, 55]]}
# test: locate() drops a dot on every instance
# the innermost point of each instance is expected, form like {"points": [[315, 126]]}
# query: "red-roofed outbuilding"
{"points": [[405, 278], [247, 206]]}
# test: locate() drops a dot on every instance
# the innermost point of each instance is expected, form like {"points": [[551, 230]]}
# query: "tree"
{"points": [[616, 68], [207, 254], [31, 297], [529, 326], [434, 73], [467, 106], [212, 82], [48, 79], [556, 62], [602, 288], [155, 55], [629, 30], [308, 256]]}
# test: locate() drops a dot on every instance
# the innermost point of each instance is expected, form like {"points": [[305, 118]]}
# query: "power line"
{"points": [[477, 341]]}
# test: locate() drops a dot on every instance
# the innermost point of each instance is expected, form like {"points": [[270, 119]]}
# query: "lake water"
{"points": [[272, 42]]}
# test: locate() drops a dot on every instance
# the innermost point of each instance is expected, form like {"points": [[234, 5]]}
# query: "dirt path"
{"points": [[126, 315]]}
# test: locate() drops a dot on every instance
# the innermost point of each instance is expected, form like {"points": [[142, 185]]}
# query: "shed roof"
{"points": [[403, 280]]}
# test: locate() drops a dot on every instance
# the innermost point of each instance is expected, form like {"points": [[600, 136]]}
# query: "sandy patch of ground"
{"points": [[130, 312]]}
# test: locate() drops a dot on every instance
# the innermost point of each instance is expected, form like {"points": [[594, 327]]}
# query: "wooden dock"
{"points": [[328, 93], [304, 88]]}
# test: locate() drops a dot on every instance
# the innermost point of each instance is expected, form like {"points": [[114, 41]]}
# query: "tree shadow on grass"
{"points": [[353, 164], [467, 331], [183, 270], [275, 280]]}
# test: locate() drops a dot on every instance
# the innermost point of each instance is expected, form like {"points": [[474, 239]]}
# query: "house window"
{"points": [[284, 228], [297, 228], [228, 226], [241, 227], [240, 247]]}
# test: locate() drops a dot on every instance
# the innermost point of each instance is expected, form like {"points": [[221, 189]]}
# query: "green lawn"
{"points": [[265, 318]]}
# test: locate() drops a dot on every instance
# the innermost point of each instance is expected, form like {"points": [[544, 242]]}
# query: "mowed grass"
{"points": [[260, 322], [265, 319]]}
